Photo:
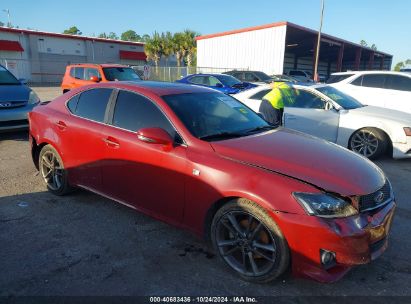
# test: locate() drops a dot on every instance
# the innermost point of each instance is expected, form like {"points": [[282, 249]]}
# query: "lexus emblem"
{"points": [[5, 104], [379, 197]]}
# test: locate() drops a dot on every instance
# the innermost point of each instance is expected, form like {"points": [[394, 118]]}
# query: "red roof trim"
{"points": [[243, 30], [132, 55], [8, 45], [31, 32]]}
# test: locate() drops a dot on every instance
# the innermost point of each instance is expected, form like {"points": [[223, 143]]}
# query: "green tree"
{"points": [[153, 49], [363, 43], [112, 35], [1, 23], [190, 47], [167, 48], [72, 31], [398, 66], [373, 47], [178, 47], [102, 35], [145, 38], [130, 35]]}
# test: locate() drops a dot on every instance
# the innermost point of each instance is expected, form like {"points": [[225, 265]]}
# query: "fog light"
{"points": [[327, 258]]}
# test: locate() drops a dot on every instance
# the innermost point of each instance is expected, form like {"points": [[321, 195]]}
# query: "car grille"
{"points": [[371, 201], [13, 123], [5, 105]]}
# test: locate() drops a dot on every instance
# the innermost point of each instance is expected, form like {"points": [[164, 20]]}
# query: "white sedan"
{"points": [[328, 113]]}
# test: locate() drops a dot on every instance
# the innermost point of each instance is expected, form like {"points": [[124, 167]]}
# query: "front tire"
{"points": [[369, 142], [52, 171], [249, 241]]}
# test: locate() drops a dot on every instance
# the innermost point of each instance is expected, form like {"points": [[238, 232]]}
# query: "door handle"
{"points": [[61, 125], [111, 142], [291, 117]]}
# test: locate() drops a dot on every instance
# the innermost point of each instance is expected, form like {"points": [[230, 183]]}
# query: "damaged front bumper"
{"points": [[325, 249]]}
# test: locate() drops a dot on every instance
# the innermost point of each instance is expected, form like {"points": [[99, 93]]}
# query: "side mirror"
{"points": [[94, 79], [23, 81], [219, 85], [156, 136]]}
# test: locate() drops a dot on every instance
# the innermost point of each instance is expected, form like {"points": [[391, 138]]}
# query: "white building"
{"points": [[283, 46], [42, 56]]}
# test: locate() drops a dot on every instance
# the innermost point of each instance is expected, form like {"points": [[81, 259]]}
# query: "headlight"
{"points": [[324, 205], [33, 98]]}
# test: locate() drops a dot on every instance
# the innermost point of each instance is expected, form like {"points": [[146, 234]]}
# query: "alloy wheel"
{"points": [[51, 170], [365, 142], [245, 243]]}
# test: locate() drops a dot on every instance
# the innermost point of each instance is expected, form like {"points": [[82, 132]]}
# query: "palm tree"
{"points": [[178, 47], [166, 45], [190, 46], [153, 49]]}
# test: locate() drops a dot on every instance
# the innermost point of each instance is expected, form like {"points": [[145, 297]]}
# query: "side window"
{"points": [[79, 73], [213, 81], [73, 72], [72, 103], [357, 81], [92, 72], [398, 82], [250, 77], [373, 80], [92, 104], [260, 95], [302, 99], [239, 76], [196, 80], [134, 112]]}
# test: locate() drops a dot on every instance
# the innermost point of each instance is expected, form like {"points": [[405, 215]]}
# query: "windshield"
{"points": [[338, 78], [215, 116], [6, 77], [120, 74], [263, 76], [228, 80], [344, 100], [284, 78]]}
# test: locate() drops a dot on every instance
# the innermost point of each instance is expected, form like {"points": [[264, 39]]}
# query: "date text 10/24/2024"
{"points": [[207, 299]]}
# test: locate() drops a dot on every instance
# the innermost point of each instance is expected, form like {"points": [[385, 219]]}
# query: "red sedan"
{"points": [[266, 198]]}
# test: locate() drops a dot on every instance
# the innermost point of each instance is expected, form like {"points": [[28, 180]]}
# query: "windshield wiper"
{"points": [[261, 128], [221, 136]]}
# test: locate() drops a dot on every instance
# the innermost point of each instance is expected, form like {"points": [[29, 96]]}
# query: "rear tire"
{"points": [[249, 241], [52, 171], [369, 142]]}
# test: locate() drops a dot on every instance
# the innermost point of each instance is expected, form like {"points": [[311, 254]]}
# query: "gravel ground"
{"points": [[83, 244]]}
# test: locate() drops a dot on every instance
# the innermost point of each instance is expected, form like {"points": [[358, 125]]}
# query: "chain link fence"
{"points": [[51, 72]]}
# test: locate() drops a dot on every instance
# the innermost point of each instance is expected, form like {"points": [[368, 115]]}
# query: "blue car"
{"points": [[223, 83], [16, 101]]}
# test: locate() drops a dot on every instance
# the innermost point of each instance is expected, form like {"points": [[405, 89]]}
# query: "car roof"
{"points": [[369, 72], [103, 65], [155, 87]]}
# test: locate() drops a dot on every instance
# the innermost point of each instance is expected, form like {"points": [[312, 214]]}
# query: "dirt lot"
{"points": [[83, 244]]}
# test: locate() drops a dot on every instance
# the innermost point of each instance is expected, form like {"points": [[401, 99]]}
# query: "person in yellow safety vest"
{"points": [[272, 105]]}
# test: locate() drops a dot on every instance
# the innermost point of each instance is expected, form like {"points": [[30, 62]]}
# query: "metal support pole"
{"points": [[317, 54]]}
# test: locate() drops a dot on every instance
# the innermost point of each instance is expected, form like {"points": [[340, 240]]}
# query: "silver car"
{"points": [[16, 101]]}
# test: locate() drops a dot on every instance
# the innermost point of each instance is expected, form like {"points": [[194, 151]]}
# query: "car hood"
{"points": [[307, 158], [384, 113], [14, 92]]}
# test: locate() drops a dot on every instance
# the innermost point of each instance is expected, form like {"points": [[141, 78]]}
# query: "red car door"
{"points": [[84, 143], [138, 173]]}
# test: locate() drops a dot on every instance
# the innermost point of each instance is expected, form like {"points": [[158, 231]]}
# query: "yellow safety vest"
{"points": [[277, 95]]}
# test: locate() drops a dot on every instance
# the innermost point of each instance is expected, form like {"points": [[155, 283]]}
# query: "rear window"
{"points": [[78, 73], [260, 95], [338, 78], [120, 74], [398, 82]]}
